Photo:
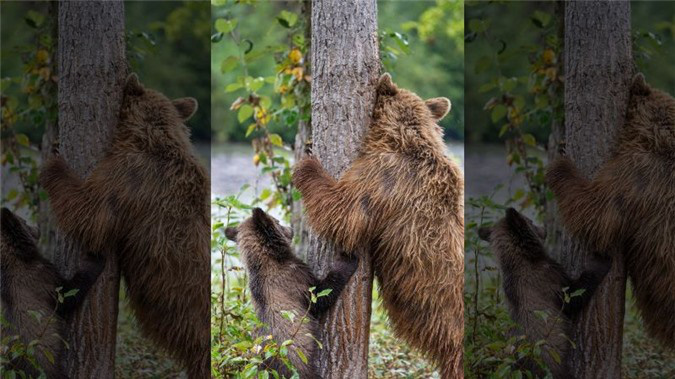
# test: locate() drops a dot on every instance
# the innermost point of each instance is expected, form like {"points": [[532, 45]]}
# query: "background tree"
{"points": [[345, 67], [598, 67], [92, 69]]}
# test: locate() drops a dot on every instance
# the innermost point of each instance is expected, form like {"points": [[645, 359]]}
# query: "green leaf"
{"points": [[233, 87], [34, 19], [578, 292], [325, 292], [482, 64], [477, 25], [302, 356], [275, 139], [49, 355], [217, 37], [498, 112], [503, 130], [256, 84], [225, 26], [250, 129], [245, 111], [554, 354], [22, 139], [486, 87], [229, 64], [541, 19], [243, 345], [528, 139], [287, 19], [70, 293]]}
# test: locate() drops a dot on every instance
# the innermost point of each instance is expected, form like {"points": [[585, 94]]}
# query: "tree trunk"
{"points": [[598, 71], [92, 69], [345, 68], [303, 141]]}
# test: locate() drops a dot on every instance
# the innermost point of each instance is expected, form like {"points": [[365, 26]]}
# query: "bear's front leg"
{"points": [[333, 208], [77, 211], [588, 212]]}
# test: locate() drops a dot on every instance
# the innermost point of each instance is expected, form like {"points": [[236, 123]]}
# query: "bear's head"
{"points": [[405, 114], [653, 112], [261, 237], [18, 240], [514, 237], [147, 107]]}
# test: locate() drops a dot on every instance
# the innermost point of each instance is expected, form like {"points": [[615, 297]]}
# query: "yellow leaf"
{"points": [[548, 56], [275, 139], [298, 72], [42, 55], [295, 55]]}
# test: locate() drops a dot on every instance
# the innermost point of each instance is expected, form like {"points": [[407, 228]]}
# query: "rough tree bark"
{"points": [[598, 70], [345, 67], [302, 142], [92, 69]]}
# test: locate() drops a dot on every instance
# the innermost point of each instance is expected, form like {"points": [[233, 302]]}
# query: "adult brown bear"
{"points": [[630, 204], [402, 198], [148, 200]]}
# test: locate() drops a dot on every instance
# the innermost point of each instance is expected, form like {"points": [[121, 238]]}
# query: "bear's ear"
{"points": [[515, 220], [439, 107], [133, 86], [639, 85], [186, 107], [484, 233], [231, 234], [262, 220], [385, 86]]}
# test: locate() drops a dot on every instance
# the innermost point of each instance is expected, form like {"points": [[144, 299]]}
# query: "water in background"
{"points": [[232, 167]]}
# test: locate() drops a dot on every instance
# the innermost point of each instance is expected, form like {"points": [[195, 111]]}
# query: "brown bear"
{"points": [[29, 285], [534, 283], [279, 281], [403, 199], [630, 204], [148, 200]]}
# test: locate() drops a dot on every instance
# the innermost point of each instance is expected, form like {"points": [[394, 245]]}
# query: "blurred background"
{"points": [[167, 44], [421, 45], [514, 92]]}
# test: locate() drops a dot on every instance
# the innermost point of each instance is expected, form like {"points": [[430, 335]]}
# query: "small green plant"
{"points": [[28, 103], [13, 348]]}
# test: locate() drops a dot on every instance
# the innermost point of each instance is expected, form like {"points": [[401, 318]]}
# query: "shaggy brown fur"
{"points": [[403, 199], [148, 199], [630, 204], [279, 281], [533, 282], [29, 284]]}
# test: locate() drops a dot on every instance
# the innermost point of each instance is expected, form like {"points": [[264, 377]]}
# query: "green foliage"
{"points": [[28, 102], [273, 103], [13, 348], [521, 102], [421, 45]]}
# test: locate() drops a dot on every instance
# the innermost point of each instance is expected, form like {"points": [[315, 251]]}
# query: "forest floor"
{"points": [[136, 356]]}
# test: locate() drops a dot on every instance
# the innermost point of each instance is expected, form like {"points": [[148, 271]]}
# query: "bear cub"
{"points": [[534, 282], [630, 204], [29, 284], [280, 281]]}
